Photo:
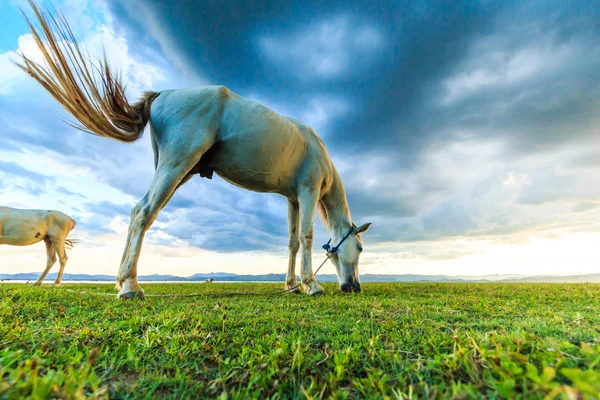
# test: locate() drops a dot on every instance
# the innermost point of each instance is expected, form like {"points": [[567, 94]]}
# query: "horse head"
{"points": [[345, 256]]}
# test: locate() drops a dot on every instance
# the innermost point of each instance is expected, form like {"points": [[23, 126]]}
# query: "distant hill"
{"points": [[595, 278], [228, 277]]}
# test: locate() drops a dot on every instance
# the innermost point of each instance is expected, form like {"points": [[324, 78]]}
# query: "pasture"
{"points": [[391, 341]]}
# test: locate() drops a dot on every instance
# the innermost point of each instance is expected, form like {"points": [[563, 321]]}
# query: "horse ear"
{"points": [[363, 228]]}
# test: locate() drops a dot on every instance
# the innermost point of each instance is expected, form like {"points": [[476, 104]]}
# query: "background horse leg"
{"points": [[167, 179], [50, 260], [308, 204], [59, 245], [293, 245]]}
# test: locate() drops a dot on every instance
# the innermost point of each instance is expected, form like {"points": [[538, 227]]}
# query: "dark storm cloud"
{"points": [[533, 79], [379, 59], [401, 92], [380, 56], [523, 72]]}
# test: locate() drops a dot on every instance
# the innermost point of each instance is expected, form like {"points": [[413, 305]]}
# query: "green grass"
{"points": [[391, 341]]}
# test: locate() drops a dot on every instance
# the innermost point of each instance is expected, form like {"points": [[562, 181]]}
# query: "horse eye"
{"points": [[360, 249]]}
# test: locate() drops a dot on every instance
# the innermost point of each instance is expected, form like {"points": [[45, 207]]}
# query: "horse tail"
{"points": [[91, 92], [70, 242]]}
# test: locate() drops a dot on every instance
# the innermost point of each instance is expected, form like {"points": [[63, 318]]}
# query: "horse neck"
{"points": [[336, 207]]}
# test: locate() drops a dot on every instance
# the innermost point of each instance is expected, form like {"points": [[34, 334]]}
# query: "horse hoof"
{"points": [[36, 284], [132, 296], [295, 290], [56, 284], [316, 290]]}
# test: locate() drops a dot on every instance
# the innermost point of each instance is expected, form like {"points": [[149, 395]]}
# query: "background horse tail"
{"points": [[70, 242], [90, 92]]}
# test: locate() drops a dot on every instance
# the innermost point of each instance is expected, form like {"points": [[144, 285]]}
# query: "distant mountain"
{"points": [[32, 276], [559, 279], [228, 277]]}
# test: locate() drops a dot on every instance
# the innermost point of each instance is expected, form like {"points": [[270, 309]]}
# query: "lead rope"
{"points": [[330, 251], [238, 293], [174, 296]]}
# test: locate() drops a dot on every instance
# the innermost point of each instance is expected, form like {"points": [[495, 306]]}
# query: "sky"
{"points": [[466, 132]]}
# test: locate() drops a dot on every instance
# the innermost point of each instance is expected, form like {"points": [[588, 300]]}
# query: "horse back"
{"points": [[20, 227]]}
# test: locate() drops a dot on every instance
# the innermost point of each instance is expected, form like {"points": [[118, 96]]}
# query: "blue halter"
{"points": [[334, 249]]}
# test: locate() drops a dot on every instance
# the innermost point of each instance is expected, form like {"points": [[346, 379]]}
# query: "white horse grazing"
{"points": [[26, 227], [201, 131]]}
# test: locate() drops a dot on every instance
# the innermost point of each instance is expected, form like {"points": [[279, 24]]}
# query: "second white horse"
{"points": [[26, 227]]}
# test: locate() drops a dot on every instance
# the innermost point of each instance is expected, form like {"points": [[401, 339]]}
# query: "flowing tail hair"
{"points": [[70, 242], [90, 92]]}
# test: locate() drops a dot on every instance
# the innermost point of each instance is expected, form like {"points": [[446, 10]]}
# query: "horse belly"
{"points": [[22, 232], [258, 167]]}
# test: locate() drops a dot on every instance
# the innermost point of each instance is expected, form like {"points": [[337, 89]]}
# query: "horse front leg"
{"points": [[167, 179], [293, 246], [308, 205]]}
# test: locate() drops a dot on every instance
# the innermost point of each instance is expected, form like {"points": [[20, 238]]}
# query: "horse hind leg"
{"points": [[59, 245], [167, 179], [50, 260], [128, 240]]}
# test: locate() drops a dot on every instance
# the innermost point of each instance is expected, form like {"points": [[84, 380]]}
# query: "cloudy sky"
{"points": [[468, 134]]}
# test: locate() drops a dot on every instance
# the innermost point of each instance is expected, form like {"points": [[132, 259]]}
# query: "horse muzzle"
{"points": [[349, 287]]}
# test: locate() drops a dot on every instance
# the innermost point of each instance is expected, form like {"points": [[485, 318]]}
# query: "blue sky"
{"points": [[467, 132]]}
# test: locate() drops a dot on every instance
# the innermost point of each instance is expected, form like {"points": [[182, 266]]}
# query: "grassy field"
{"points": [[391, 341]]}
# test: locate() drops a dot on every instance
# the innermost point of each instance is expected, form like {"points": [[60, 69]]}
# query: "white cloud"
{"points": [[516, 180], [493, 63], [11, 75], [89, 168], [101, 254], [330, 49], [552, 252], [473, 187], [137, 76]]}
